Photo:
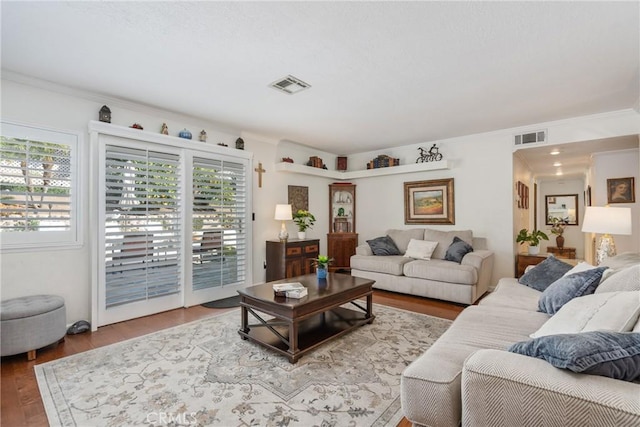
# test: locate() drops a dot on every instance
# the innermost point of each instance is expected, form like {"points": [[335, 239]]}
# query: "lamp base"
{"points": [[606, 248], [284, 235]]}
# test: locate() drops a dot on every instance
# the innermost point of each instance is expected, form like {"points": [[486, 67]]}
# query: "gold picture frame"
{"points": [[429, 202], [621, 190]]}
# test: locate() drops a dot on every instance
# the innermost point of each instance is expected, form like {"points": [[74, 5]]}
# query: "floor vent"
{"points": [[290, 85], [531, 138]]}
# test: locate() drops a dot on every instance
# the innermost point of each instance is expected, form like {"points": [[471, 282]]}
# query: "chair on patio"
{"points": [[210, 246]]}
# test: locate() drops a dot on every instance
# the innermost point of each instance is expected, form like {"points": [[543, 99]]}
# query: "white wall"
{"points": [[481, 165], [618, 164]]}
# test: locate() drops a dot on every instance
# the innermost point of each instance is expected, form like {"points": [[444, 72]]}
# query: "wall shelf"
{"points": [[366, 173]]}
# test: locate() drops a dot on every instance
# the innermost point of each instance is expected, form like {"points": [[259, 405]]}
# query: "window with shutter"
{"points": [[39, 192]]}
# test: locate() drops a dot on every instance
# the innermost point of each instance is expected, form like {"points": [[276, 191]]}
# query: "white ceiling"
{"points": [[383, 74]]}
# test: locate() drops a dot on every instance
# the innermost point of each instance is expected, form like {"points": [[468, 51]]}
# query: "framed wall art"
{"points": [[621, 190], [298, 198], [429, 202]]}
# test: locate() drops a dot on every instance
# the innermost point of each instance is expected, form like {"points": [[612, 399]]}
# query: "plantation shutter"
{"points": [[219, 247], [142, 225]]}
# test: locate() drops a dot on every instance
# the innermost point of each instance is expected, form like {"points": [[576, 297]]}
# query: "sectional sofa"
{"points": [[428, 275], [469, 377]]}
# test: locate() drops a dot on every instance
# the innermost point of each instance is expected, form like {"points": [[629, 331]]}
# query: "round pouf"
{"points": [[30, 323]]}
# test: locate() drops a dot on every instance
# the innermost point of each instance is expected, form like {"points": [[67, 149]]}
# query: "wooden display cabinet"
{"points": [[291, 258], [342, 238]]}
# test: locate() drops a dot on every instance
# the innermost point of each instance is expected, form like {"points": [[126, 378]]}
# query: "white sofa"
{"points": [[435, 278], [467, 377]]}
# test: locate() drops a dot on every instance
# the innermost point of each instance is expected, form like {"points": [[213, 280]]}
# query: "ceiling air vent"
{"points": [[531, 138], [290, 85]]}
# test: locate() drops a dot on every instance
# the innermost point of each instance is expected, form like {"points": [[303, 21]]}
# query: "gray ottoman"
{"points": [[30, 323]]}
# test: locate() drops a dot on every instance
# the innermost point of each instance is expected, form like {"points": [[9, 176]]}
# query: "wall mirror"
{"points": [[563, 206]]}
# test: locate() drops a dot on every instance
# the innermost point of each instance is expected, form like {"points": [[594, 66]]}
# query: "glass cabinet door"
{"points": [[342, 207]]}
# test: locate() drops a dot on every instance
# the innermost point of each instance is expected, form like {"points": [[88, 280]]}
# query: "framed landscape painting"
{"points": [[429, 202]]}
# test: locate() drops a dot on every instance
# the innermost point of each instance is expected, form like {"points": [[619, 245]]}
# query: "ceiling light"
{"points": [[559, 173], [290, 85], [555, 152], [556, 164]]}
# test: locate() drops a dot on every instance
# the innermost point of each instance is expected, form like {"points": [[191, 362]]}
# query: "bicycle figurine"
{"points": [[433, 155]]}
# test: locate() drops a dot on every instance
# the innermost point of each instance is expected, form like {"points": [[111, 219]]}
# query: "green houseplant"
{"points": [[322, 265], [304, 220], [533, 238]]}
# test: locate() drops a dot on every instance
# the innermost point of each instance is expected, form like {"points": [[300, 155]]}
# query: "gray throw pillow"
{"points": [[610, 354], [569, 287], [383, 246], [545, 273], [457, 250]]}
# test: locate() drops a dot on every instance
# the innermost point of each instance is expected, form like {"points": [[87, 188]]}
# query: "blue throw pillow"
{"points": [[545, 273], [569, 287], [383, 246], [457, 250], [610, 354]]}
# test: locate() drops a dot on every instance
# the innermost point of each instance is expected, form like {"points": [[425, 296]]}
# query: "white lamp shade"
{"points": [[283, 213], [607, 220]]}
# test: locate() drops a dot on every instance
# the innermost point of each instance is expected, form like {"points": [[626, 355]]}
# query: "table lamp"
{"points": [[283, 213], [608, 221]]}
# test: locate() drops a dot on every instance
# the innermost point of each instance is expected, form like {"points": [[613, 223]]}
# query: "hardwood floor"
{"points": [[20, 400]]}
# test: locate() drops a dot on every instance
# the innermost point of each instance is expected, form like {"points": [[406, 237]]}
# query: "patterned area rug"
{"points": [[202, 373]]}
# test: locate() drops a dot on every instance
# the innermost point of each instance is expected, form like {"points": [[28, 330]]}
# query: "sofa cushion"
{"points": [[510, 293], [611, 311], [420, 249], [610, 354], [445, 238], [627, 279], [441, 271], [545, 273], [566, 288], [380, 264], [402, 237], [457, 250], [383, 246]]}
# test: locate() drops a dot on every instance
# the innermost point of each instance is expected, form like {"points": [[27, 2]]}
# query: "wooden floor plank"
{"points": [[21, 404]]}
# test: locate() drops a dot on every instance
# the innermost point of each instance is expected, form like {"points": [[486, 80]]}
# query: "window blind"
{"points": [[142, 225]]}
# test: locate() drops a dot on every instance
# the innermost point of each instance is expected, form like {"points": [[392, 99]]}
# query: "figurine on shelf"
{"points": [[287, 159], [222, 144], [165, 129], [203, 136], [240, 144], [136, 126], [105, 114], [184, 134]]}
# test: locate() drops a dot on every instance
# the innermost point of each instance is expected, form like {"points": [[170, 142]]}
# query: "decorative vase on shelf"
{"points": [[321, 272], [560, 241], [534, 250], [302, 235]]}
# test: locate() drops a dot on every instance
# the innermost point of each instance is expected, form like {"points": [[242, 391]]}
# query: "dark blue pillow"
{"points": [[545, 273], [457, 250], [569, 287], [610, 354], [383, 246]]}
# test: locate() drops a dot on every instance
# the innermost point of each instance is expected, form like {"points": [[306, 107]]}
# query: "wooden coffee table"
{"points": [[300, 325]]}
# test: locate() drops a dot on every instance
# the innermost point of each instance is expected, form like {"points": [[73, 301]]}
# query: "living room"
{"points": [[482, 163]]}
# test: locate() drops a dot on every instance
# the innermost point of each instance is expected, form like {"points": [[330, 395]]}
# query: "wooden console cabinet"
{"points": [[565, 252], [342, 238], [291, 258]]}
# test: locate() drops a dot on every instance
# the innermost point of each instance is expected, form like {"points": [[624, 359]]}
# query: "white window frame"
{"points": [[37, 240]]}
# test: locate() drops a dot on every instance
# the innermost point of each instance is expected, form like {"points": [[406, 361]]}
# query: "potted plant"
{"points": [[532, 238], [304, 220], [558, 229], [322, 265]]}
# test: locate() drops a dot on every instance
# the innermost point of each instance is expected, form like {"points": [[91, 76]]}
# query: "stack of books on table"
{"points": [[289, 290]]}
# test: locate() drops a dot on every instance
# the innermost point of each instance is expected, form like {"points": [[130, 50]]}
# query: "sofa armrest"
{"points": [[503, 388], [364, 249], [482, 260]]}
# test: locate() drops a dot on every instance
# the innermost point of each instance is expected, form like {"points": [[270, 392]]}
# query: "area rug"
{"points": [[229, 302], [202, 373]]}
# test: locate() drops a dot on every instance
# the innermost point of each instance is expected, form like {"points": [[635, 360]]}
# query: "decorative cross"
{"points": [[260, 172]]}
